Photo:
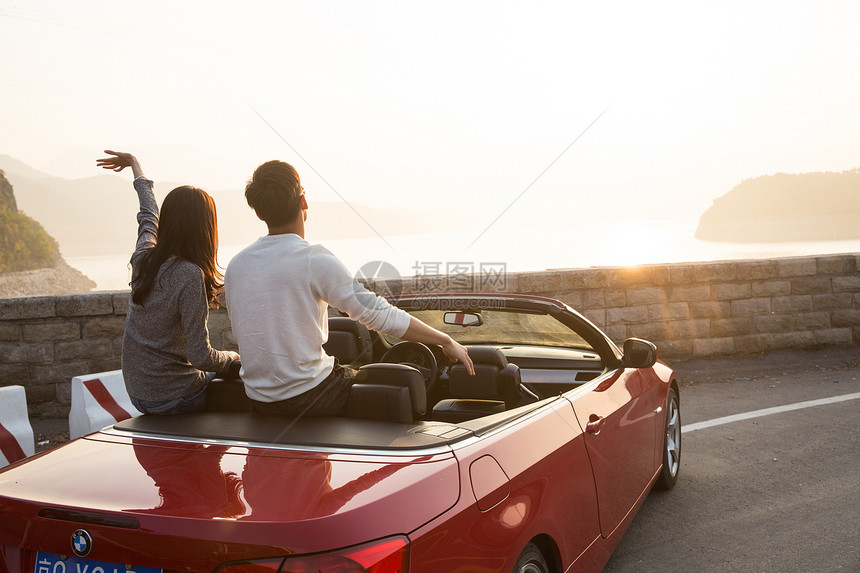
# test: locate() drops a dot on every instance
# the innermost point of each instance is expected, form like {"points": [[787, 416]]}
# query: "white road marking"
{"points": [[767, 412]]}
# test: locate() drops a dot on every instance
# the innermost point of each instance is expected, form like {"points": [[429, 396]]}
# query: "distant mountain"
{"points": [[786, 207], [96, 215]]}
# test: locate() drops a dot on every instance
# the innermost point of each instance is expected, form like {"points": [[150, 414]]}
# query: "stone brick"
{"points": [[793, 339], [596, 315], [672, 348], [40, 393], [669, 311], [9, 332], [120, 302], [690, 293], [104, 365], [811, 285], [755, 270], [846, 284], [647, 295], [649, 331], [64, 393], [104, 326], [584, 279], [797, 267], [630, 276], [627, 315], [680, 274], [215, 339], [88, 348], [836, 265], [710, 309], [58, 372], [228, 340], [730, 327], [833, 336], [14, 374], [731, 291], [51, 331], [617, 333], [85, 304], [29, 307], [572, 299], [751, 306], [698, 328], [660, 275], [810, 320], [713, 346], [771, 288], [23, 352], [754, 343], [772, 323], [831, 301], [715, 272], [535, 283], [792, 303], [615, 297], [593, 299], [845, 317], [116, 347]]}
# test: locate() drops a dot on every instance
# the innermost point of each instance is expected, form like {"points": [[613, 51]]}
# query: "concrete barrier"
{"points": [[98, 400], [16, 434]]}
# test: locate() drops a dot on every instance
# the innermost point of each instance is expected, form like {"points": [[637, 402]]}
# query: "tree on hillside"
{"points": [[24, 243]]}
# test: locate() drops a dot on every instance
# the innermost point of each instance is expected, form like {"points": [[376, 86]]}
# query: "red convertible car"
{"points": [[536, 464]]}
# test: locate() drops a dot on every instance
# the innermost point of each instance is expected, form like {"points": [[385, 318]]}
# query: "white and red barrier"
{"points": [[98, 400], [16, 434]]}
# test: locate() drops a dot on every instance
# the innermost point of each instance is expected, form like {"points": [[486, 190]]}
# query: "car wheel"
{"points": [[671, 443], [531, 561]]}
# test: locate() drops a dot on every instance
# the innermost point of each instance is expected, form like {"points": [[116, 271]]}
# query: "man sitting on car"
{"points": [[278, 290]]}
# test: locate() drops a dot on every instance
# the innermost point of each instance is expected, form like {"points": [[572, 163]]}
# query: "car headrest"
{"points": [[401, 375], [487, 355], [348, 340], [494, 379]]}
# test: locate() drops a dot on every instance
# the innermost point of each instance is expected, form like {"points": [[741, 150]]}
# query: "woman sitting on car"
{"points": [[167, 361]]}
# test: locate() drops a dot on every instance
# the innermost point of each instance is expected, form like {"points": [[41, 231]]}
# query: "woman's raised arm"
{"points": [[120, 161]]}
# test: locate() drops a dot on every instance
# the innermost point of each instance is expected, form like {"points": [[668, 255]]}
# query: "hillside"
{"points": [[786, 207], [30, 261]]}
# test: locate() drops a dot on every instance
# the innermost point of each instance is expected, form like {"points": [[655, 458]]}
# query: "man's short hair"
{"points": [[274, 192]]}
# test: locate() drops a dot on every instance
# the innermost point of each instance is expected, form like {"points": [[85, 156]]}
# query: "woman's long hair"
{"points": [[187, 229]]}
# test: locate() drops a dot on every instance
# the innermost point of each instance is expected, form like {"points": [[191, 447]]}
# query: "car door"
{"points": [[618, 413]]}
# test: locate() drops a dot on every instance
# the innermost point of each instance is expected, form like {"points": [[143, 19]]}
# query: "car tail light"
{"points": [[389, 555]]}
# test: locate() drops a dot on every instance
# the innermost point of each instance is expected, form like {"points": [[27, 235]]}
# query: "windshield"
{"points": [[505, 327]]}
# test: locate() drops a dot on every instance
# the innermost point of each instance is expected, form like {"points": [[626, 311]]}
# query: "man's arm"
{"points": [[456, 352]]}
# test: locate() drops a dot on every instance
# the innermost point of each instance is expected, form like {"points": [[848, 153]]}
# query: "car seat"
{"points": [[388, 392], [494, 387]]}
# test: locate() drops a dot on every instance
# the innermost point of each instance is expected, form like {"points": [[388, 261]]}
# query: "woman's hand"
{"points": [[120, 161]]}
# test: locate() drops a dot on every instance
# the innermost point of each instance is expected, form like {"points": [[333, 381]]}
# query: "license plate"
{"points": [[51, 563]]}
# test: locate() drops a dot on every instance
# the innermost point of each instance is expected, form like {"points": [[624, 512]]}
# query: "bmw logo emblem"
{"points": [[82, 543]]}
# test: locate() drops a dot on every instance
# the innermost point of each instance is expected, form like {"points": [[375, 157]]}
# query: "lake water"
{"points": [[526, 249]]}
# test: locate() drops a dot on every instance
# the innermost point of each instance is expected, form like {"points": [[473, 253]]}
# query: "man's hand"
{"points": [[120, 161], [456, 352]]}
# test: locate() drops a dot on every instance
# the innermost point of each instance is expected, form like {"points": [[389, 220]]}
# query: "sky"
{"points": [[507, 114]]}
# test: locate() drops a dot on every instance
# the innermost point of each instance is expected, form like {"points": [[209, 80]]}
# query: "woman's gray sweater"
{"points": [[166, 350]]}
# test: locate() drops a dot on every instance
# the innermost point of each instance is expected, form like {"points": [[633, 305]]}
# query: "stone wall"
{"points": [[695, 309]]}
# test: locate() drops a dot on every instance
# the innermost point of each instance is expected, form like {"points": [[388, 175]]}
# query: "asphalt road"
{"points": [[774, 493]]}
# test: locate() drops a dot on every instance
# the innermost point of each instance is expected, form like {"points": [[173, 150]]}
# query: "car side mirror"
{"points": [[639, 353]]}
